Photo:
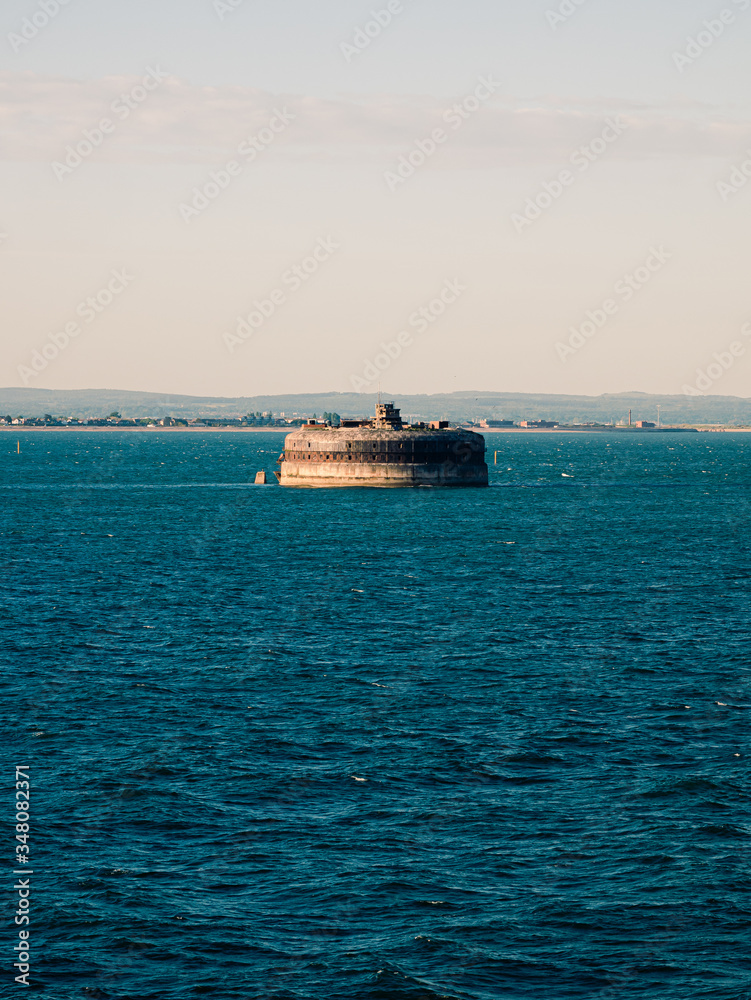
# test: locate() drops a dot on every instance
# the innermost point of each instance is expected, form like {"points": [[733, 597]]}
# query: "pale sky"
{"points": [[294, 129]]}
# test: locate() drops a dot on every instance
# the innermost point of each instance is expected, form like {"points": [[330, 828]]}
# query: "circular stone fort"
{"points": [[382, 452]]}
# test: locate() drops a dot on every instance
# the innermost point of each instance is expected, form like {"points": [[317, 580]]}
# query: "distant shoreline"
{"points": [[630, 431], [169, 430]]}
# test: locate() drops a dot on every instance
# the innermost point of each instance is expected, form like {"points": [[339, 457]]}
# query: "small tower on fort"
{"points": [[387, 417]]}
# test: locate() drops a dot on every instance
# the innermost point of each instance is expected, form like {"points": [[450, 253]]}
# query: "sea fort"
{"points": [[382, 452]]}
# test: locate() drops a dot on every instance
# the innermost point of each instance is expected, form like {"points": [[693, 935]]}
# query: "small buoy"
{"points": [[261, 478]]}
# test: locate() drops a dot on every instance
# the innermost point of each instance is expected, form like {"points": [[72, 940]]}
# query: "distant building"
{"points": [[538, 423], [644, 423], [497, 423]]}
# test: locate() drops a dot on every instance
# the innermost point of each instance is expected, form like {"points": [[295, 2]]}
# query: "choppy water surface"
{"points": [[306, 745]]}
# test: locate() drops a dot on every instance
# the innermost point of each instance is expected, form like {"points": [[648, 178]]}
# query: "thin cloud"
{"points": [[182, 123]]}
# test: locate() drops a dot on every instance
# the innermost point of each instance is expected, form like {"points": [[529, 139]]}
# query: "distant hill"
{"points": [[455, 406]]}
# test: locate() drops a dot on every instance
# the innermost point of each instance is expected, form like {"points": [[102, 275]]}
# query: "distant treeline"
{"points": [[116, 420], [457, 407]]}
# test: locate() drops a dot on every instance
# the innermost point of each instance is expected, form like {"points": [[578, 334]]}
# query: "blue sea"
{"points": [[379, 744]]}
